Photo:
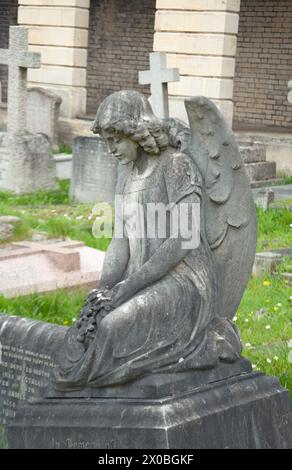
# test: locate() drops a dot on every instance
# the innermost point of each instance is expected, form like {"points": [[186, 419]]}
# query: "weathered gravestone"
{"points": [[43, 110], [268, 261], [94, 172], [26, 163], [265, 197], [154, 359]]}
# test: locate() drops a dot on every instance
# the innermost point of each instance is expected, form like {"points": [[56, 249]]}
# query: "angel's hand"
{"points": [[96, 296], [117, 295]]}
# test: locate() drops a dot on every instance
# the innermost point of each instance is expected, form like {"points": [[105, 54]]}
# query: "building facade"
{"points": [[238, 53]]}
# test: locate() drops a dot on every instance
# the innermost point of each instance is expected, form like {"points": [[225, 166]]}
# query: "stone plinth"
{"points": [[248, 411], [235, 408], [26, 163]]}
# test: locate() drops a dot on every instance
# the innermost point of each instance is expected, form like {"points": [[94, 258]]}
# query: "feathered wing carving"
{"points": [[230, 216]]}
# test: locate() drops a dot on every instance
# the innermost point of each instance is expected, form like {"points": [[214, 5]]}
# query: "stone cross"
{"points": [[63, 254], [290, 91], [158, 77], [18, 59]]}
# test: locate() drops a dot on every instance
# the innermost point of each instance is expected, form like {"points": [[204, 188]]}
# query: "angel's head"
{"points": [[127, 123]]}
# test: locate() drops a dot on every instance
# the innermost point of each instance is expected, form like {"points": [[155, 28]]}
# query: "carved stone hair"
{"points": [[129, 113]]}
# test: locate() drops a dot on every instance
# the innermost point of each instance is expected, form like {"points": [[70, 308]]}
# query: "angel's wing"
{"points": [[230, 217]]}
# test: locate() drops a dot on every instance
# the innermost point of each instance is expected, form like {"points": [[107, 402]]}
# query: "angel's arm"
{"points": [[115, 263]]}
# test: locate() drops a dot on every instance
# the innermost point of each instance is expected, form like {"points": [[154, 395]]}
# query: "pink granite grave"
{"points": [[28, 267]]}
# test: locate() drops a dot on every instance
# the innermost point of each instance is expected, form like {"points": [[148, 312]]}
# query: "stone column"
{"points": [[58, 29], [199, 37]]}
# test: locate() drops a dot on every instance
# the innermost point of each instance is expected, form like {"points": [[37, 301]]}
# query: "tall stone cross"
{"points": [[158, 77], [290, 91], [18, 59]]}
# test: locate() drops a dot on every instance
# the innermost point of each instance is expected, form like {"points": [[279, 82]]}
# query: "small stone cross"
{"points": [[158, 77], [62, 254], [18, 59], [290, 91]]}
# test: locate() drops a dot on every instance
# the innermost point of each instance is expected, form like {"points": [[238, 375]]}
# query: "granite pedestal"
{"points": [[244, 412]]}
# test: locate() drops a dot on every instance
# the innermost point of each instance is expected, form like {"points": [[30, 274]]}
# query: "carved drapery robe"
{"points": [[166, 326]]}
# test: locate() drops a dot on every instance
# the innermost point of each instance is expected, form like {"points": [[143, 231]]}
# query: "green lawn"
{"points": [[265, 337], [274, 228], [264, 318], [51, 212]]}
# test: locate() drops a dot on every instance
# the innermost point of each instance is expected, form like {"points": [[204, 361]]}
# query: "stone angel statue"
{"points": [[164, 305]]}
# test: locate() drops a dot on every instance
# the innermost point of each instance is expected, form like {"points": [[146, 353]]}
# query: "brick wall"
{"points": [[263, 64], [120, 40], [8, 17]]}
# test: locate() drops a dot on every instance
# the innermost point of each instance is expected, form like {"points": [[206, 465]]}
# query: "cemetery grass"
{"points": [[51, 214], [264, 319]]}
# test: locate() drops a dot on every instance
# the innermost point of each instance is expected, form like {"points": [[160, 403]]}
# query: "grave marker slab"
{"points": [[59, 265], [43, 110], [94, 172], [267, 261]]}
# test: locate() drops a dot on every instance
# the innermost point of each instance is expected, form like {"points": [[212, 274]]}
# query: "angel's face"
{"points": [[120, 147]]}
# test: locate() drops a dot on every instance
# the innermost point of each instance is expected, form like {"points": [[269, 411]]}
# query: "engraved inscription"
{"points": [[71, 444], [23, 374]]}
